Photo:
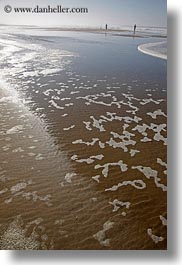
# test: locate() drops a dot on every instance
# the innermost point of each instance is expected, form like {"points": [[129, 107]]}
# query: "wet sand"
{"points": [[83, 157]]}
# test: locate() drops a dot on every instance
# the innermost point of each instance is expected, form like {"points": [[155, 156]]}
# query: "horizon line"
{"points": [[77, 26]]}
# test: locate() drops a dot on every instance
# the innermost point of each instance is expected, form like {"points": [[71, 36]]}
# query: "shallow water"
{"points": [[82, 142]]}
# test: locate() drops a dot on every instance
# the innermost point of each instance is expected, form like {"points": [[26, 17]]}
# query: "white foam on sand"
{"points": [[98, 124], [156, 113], [69, 128], [35, 197], [163, 220], [55, 105], [89, 160], [96, 178], [101, 235], [134, 152], [118, 204], [69, 177], [157, 129], [20, 186], [146, 140], [126, 140], [155, 238], [162, 163], [158, 49], [150, 173], [105, 167], [80, 141], [137, 184]]}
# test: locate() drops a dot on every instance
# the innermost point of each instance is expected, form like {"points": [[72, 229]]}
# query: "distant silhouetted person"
{"points": [[135, 29], [106, 26]]}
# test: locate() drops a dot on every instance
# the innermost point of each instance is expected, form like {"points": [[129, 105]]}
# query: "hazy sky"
{"points": [[114, 12]]}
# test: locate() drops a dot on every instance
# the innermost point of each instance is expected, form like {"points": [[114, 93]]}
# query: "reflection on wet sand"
{"points": [[83, 158]]}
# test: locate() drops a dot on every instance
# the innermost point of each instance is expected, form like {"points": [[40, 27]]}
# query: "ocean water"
{"points": [[83, 142]]}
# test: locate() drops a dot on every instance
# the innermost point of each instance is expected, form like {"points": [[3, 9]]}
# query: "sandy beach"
{"points": [[83, 140]]}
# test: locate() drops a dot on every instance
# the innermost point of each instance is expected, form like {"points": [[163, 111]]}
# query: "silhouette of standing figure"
{"points": [[135, 29], [106, 26]]}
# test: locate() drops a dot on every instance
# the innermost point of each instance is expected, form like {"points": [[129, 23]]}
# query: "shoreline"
{"points": [[110, 31], [113, 32], [149, 49]]}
